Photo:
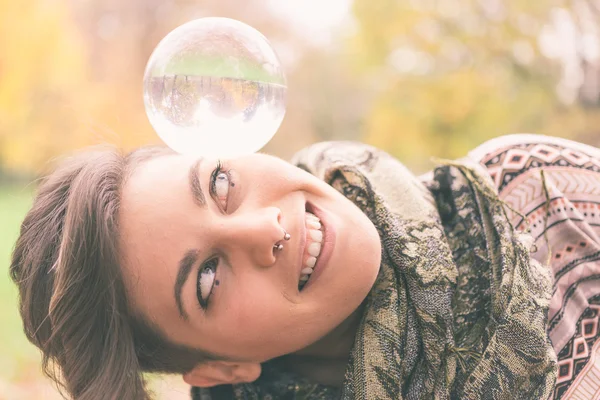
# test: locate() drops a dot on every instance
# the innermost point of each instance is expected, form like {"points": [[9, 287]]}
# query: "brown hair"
{"points": [[72, 297]]}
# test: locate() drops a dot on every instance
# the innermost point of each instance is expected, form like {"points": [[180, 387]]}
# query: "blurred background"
{"points": [[418, 78]]}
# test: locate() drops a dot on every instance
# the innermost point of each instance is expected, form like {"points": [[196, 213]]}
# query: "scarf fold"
{"points": [[459, 308]]}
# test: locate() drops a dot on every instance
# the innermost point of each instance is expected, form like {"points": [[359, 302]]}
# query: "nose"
{"points": [[255, 233]]}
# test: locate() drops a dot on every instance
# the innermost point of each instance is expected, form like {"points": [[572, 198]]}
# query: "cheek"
{"points": [[253, 308], [258, 322]]}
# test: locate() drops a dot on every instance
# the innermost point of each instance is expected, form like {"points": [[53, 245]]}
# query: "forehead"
{"points": [[154, 196], [155, 208], [170, 170], [157, 188]]}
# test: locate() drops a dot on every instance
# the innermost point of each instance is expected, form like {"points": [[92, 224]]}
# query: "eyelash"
{"points": [[211, 265]]}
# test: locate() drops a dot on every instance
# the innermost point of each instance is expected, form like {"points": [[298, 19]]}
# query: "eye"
{"points": [[206, 281], [222, 187], [220, 183]]}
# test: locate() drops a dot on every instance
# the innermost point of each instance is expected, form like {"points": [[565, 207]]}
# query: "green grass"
{"points": [[18, 355], [217, 67], [21, 377]]}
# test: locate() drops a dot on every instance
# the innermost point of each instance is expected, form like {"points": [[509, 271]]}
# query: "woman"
{"points": [[346, 277]]}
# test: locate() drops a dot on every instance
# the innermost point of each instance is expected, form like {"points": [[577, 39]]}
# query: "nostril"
{"points": [[277, 248]]}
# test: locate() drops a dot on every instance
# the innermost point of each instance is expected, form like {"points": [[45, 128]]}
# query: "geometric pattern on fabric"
{"points": [[565, 227], [505, 164], [579, 361]]}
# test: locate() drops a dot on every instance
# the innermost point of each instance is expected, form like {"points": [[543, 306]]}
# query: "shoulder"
{"points": [[512, 158], [531, 145]]}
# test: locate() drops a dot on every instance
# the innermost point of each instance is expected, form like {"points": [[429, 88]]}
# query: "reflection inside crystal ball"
{"points": [[214, 87]]}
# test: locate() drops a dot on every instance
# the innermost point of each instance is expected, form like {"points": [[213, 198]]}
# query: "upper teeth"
{"points": [[314, 238]]}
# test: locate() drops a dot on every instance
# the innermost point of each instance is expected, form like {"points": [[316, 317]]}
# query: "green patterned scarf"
{"points": [[459, 308]]}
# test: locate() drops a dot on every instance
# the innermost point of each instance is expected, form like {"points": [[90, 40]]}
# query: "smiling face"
{"points": [[199, 259]]}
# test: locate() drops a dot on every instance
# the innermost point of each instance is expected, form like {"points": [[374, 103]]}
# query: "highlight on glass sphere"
{"points": [[215, 87]]}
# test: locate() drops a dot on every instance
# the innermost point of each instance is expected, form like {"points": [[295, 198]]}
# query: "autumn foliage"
{"points": [[417, 78]]}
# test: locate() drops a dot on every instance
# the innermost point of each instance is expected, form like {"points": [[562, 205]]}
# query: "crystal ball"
{"points": [[215, 87]]}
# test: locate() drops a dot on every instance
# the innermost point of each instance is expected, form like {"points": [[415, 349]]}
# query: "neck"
{"points": [[325, 360]]}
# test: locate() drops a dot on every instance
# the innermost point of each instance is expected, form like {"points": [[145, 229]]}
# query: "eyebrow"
{"points": [[194, 182], [185, 267], [191, 256]]}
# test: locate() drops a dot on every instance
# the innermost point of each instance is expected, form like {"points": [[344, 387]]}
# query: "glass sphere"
{"points": [[215, 87]]}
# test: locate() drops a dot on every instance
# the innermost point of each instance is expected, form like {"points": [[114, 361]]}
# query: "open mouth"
{"points": [[312, 250]]}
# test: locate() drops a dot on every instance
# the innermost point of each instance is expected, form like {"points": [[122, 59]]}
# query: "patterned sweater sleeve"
{"points": [[553, 185]]}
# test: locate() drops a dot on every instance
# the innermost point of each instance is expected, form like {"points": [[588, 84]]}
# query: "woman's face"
{"points": [[199, 258]]}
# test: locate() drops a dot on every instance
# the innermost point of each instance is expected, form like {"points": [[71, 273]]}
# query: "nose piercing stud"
{"points": [[279, 246]]}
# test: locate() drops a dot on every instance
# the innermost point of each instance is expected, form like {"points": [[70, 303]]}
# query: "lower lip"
{"points": [[326, 249]]}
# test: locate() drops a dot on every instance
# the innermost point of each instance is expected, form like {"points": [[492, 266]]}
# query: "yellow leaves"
{"points": [[457, 73], [49, 102], [436, 77], [41, 65], [447, 114], [397, 130]]}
